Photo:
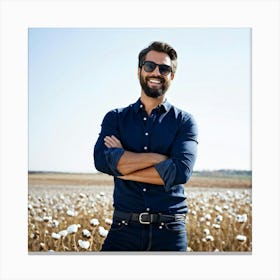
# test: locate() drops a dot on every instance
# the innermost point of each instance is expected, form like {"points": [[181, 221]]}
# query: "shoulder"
{"points": [[118, 112], [182, 115], [185, 120]]}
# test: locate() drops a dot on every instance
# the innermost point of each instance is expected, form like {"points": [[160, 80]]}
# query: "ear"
{"points": [[172, 76], [139, 72]]}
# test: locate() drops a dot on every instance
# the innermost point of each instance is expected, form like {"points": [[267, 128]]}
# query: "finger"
{"points": [[115, 139], [111, 143], [108, 144], [109, 140]]}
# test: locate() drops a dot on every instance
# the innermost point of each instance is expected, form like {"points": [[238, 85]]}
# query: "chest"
{"points": [[154, 133]]}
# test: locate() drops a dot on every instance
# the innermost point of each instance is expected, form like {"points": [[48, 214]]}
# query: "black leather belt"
{"points": [[148, 218]]}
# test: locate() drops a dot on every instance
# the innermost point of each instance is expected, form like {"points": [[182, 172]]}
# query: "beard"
{"points": [[154, 92]]}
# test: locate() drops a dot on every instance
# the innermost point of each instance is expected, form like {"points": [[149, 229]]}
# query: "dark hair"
{"points": [[159, 47]]}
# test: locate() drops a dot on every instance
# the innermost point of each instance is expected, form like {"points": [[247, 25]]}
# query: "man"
{"points": [[150, 149]]}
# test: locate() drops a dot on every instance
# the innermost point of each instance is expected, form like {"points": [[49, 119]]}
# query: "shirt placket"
{"points": [[148, 122]]}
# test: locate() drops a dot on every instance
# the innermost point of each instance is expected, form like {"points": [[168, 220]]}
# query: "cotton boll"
{"points": [[56, 235], [94, 222], [108, 221], [73, 228], [86, 233], [102, 231], [63, 233], [83, 244], [241, 238]]}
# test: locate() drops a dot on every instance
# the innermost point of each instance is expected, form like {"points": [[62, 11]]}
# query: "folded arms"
{"points": [[153, 168], [136, 166]]}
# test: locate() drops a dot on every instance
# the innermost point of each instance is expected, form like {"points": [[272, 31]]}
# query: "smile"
{"points": [[153, 81]]}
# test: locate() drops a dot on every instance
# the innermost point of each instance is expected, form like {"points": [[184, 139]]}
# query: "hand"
{"points": [[112, 142]]}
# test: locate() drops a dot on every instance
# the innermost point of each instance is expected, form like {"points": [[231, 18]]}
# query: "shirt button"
{"points": [[146, 133], [144, 118], [144, 189], [145, 148], [148, 209]]}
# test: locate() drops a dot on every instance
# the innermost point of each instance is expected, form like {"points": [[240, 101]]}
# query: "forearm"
{"points": [[148, 175], [131, 162]]}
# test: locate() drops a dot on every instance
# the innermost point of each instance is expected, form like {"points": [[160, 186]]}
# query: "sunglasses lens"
{"points": [[164, 69], [150, 66]]}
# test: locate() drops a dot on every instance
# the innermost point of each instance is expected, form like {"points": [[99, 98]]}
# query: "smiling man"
{"points": [[150, 148]]}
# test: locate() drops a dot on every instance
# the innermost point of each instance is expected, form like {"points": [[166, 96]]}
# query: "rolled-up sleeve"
{"points": [[106, 159], [178, 168], [112, 156]]}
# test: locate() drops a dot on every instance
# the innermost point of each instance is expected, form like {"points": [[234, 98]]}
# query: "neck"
{"points": [[151, 103]]}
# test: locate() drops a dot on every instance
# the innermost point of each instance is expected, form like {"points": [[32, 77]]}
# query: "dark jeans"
{"points": [[133, 236]]}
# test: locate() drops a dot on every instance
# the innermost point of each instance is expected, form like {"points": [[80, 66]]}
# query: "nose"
{"points": [[156, 71]]}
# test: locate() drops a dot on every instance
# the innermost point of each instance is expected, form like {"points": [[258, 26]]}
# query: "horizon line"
{"points": [[97, 172]]}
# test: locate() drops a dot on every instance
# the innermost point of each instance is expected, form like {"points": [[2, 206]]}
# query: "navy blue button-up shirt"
{"points": [[169, 131]]}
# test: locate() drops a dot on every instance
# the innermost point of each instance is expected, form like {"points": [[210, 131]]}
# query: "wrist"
{"points": [[158, 158]]}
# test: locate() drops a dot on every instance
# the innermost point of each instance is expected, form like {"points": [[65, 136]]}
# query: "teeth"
{"points": [[155, 81]]}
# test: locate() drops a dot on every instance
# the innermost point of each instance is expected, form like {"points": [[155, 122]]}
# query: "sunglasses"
{"points": [[150, 66]]}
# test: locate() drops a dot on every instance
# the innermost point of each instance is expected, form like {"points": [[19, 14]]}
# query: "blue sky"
{"points": [[77, 75]]}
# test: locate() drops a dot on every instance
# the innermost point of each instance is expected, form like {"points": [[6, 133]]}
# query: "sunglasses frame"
{"points": [[167, 67]]}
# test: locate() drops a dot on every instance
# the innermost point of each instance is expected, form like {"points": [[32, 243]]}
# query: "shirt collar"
{"points": [[164, 107]]}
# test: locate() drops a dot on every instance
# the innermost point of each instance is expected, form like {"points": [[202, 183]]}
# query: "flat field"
{"points": [[75, 179]]}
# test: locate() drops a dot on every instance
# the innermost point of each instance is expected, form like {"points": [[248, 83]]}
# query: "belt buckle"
{"points": [[140, 218]]}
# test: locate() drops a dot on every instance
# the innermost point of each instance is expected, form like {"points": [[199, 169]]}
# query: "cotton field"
{"points": [[218, 220]]}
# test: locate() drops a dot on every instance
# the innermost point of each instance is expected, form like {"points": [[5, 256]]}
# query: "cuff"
{"points": [[167, 171], [113, 156]]}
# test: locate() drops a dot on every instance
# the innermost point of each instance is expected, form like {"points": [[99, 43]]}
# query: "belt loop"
{"points": [[130, 217], [159, 218]]}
